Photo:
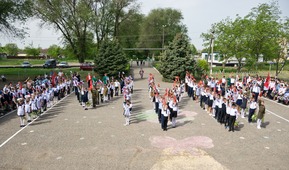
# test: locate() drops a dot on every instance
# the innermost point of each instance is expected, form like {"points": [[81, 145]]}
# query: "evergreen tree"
{"points": [[177, 59], [110, 59]]}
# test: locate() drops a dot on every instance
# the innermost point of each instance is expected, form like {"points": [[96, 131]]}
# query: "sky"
{"points": [[198, 16]]}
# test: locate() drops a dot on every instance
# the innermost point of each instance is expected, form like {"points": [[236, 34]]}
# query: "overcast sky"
{"points": [[198, 17]]}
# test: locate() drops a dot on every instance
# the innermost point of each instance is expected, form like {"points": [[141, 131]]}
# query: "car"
{"points": [[86, 66], [26, 64], [63, 64], [51, 63]]}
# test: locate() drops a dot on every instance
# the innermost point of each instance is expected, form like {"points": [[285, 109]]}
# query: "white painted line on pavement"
{"points": [[277, 115], [31, 122], [157, 70], [275, 102], [7, 114]]}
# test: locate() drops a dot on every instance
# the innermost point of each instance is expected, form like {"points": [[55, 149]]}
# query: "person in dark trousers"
{"points": [[164, 117], [223, 111], [233, 115]]}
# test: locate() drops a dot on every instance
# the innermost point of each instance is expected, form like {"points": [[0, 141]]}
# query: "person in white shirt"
{"points": [[256, 91], [21, 111], [164, 119], [174, 113], [28, 108], [127, 107], [116, 86], [233, 115], [232, 81], [252, 108]]}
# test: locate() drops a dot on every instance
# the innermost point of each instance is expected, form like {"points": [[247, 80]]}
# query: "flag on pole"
{"points": [[266, 84]]}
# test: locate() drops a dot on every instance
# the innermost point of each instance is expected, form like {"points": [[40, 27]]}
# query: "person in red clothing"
{"points": [[89, 81]]}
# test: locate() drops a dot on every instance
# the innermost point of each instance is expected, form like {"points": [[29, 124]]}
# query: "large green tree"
{"points": [[11, 49], [110, 58], [129, 33], [12, 11], [54, 51], [110, 15], [71, 18], [160, 27], [177, 58], [32, 51]]}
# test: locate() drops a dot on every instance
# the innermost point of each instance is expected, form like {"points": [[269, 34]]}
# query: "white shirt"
{"points": [[165, 112], [233, 112], [253, 105]]}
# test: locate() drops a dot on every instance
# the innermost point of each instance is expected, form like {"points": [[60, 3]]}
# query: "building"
{"points": [[218, 59]]}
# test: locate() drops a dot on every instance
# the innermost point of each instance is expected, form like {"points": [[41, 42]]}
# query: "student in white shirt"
{"points": [[165, 114], [233, 115], [252, 108], [127, 107], [21, 111]]}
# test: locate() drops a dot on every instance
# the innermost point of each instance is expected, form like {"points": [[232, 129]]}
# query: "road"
{"points": [[68, 137]]}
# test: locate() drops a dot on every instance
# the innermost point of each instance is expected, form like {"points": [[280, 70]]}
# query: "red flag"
{"points": [[266, 84], [53, 78]]}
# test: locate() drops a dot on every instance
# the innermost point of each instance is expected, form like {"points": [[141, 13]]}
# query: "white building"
{"points": [[218, 60]]}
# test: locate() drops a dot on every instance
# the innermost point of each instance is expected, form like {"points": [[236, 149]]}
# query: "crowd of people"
{"points": [[33, 96], [104, 90], [226, 99], [166, 105]]}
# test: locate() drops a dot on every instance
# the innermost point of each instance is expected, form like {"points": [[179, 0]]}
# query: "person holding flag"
{"points": [[266, 85], [89, 81]]}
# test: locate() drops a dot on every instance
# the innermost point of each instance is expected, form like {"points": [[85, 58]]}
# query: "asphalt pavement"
{"points": [[69, 137]]}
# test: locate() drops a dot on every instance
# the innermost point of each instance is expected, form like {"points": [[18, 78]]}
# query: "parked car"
{"points": [[86, 66], [51, 63], [63, 64], [26, 64]]}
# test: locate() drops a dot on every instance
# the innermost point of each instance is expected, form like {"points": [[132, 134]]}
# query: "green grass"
{"points": [[18, 62], [20, 74]]}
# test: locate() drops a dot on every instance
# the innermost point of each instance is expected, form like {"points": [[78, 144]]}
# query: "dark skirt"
{"points": [[174, 114], [239, 102], [210, 103]]}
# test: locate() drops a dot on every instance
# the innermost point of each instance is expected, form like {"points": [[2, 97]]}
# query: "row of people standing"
{"points": [[166, 106], [33, 97], [225, 104]]}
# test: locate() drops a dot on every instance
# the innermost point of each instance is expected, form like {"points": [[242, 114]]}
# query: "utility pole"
{"points": [[163, 43], [212, 53]]}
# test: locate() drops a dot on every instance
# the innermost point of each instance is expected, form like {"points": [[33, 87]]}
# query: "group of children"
{"points": [[35, 96], [166, 106], [226, 104], [103, 91]]}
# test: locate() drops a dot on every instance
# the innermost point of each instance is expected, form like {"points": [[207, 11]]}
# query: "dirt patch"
{"points": [[185, 160]]}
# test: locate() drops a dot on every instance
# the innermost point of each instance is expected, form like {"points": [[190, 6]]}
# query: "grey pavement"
{"points": [[68, 137]]}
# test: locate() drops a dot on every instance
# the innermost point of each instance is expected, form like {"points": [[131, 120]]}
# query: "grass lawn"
{"points": [[18, 62], [20, 74]]}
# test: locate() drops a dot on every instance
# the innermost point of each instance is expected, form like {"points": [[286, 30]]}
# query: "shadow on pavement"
{"points": [[265, 124]]}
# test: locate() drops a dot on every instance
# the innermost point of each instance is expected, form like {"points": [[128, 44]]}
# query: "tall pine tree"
{"points": [[110, 59], [177, 58]]}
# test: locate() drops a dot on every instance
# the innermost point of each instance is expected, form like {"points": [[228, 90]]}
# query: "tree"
{"points": [[71, 18], [31, 51], [128, 36], [11, 49], [54, 51], [264, 23], [202, 67], [110, 59], [194, 49], [12, 11], [160, 27], [177, 58], [109, 16]]}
